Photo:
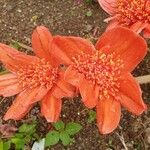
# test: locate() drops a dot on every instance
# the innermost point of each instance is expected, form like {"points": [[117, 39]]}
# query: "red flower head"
{"points": [[33, 78], [134, 14], [102, 73]]}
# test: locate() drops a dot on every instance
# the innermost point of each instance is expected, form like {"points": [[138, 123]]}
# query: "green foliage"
{"points": [[15, 44], [52, 138], [25, 134], [89, 13], [73, 128], [62, 133], [91, 116], [89, 1]]}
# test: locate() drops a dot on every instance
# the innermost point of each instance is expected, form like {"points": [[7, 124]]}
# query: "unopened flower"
{"points": [[33, 78], [134, 14], [102, 73]]}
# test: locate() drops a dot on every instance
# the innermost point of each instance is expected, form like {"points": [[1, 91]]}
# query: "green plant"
{"points": [[62, 132], [91, 116], [25, 134], [89, 13], [89, 1]]}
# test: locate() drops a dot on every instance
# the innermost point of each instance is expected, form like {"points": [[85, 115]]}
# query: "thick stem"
{"points": [[143, 79]]}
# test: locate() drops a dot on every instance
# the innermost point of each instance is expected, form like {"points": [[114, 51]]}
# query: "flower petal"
{"points": [[146, 32], [108, 115], [126, 44], [138, 27], [89, 93], [131, 96], [66, 87], [9, 85], [11, 57], [41, 39], [64, 48], [108, 5], [17, 111], [72, 76], [24, 101], [51, 107]]}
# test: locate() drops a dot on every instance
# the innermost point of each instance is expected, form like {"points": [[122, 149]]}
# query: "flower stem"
{"points": [[143, 79]]}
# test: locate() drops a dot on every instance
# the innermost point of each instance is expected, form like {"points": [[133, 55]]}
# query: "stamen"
{"points": [[40, 73], [101, 69], [131, 11]]}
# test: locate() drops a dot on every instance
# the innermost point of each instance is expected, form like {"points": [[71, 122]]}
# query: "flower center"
{"points": [[101, 69], [36, 74], [131, 11]]}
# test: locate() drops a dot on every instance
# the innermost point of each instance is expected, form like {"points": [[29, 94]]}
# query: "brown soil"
{"points": [[66, 17]]}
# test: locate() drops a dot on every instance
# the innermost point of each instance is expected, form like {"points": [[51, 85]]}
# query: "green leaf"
{"points": [[92, 116], [52, 138], [6, 145], [89, 13], [59, 125], [65, 138], [19, 143], [15, 44], [73, 128], [27, 128], [1, 145], [19, 135]]}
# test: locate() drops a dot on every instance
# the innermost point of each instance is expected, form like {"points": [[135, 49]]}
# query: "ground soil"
{"points": [[18, 18]]}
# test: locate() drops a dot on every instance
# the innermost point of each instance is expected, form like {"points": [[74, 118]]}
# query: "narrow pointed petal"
{"points": [[108, 115], [64, 48], [11, 57], [51, 108], [23, 102], [113, 23], [108, 5], [41, 39], [89, 93], [17, 111], [9, 85], [138, 27], [72, 76], [120, 41], [66, 87], [146, 32], [10, 90], [131, 95]]}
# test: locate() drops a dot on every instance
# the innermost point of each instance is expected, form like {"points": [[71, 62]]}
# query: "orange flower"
{"points": [[102, 73], [33, 78], [134, 14]]}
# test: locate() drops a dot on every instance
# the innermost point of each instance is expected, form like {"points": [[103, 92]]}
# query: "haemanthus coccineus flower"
{"points": [[134, 14], [102, 73], [33, 78]]}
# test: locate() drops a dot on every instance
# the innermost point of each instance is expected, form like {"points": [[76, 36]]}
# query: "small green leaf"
{"points": [[89, 13], [6, 145], [52, 138], [73, 128], [27, 128], [1, 145], [92, 116], [65, 138], [19, 135], [15, 44], [59, 125], [19, 143]]}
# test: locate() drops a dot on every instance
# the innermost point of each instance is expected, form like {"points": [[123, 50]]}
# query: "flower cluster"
{"points": [[134, 14], [101, 73]]}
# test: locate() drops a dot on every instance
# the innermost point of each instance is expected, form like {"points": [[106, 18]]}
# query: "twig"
{"points": [[122, 140], [143, 79], [24, 46]]}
